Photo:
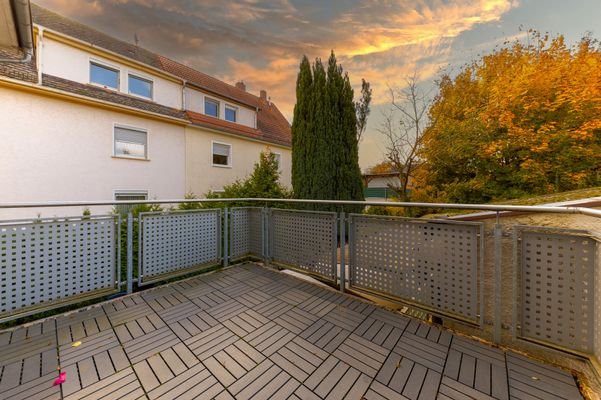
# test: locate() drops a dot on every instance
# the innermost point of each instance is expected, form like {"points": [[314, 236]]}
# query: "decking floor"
{"points": [[252, 333]]}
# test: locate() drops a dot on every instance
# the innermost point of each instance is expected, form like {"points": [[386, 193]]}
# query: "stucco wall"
{"points": [[195, 100], [74, 64], [54, 150], [202, 176]]}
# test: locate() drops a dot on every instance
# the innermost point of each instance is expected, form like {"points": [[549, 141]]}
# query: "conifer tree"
{"points": [[324, 135]]}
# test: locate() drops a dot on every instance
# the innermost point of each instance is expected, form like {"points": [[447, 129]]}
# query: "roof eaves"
{"points": [[258, 138]]}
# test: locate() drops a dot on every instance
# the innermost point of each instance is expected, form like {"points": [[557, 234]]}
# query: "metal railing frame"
{"points": [[343, 220]]}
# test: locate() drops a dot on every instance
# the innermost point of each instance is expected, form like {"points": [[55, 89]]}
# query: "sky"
{"points": [[262, 42]]}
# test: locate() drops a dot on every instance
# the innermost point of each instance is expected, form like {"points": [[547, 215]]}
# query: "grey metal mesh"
{"points": [[177, 241], [434, 264], [556, 288], [52, 261], [306, 240], [245, 232]]}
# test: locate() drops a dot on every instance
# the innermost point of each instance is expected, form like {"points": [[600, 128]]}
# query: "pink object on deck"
{"points": [[61, 378]]}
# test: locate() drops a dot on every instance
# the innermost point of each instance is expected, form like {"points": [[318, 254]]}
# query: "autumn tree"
{"points": [[525, 119]]}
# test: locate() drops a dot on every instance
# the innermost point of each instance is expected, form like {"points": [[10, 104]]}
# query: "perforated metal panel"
{"points": [[306, 240], [51, 262], [176, 242], [434, 264], [557, 288], [245, 232]]}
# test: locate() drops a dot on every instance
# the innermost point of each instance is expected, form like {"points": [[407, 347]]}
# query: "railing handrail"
{"points": [[482, 207]]}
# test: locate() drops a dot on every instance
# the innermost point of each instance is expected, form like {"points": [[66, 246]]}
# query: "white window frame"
{"points": [[233, 108], [204, 107], [135, 128], [144, 78], [130, 192], [279, 159], [229, 159], [108, 66]]}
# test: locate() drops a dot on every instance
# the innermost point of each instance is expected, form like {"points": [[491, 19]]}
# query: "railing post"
{"points": [[498, 320], [225, 238], [342, 231], [130, 249]]}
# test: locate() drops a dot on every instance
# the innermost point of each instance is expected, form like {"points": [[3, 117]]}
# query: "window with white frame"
{"points": [[212, 107], [231, 113], [277, 157], [128, 195], [222, 154], [103, 75], [139, 86], [130, 142]]}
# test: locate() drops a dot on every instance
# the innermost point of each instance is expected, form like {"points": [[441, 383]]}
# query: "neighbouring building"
{"points": [[90, 117], [378, 186]]}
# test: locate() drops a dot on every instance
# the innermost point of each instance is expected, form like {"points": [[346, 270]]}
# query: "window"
{"points": [[104, 76], [212, 108], [230, 113], [130, 143], [221, 154], [277, 157], [124, 195], [139, 86]]}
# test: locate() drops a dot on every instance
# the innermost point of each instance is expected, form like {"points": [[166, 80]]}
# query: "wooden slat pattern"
{"points": [[253, 333]]}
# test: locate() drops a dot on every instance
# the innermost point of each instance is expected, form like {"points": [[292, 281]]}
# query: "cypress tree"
{"points": [[324, 143], [303, 116]]}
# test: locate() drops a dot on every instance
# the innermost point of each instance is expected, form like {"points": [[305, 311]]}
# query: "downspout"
{"points": [[24, 27], [40, 53]]}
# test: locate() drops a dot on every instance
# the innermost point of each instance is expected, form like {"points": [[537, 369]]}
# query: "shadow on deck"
{"points": [[250, 332]]}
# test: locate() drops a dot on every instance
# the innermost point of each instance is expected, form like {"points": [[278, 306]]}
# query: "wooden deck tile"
{"points": [[344, 318], [379, 332], [40, 388], [80, 324], [245, 322], [139, 327], [265, 381], [178, 312], [233, 362], [119, 314], [335, 379], [294, 296], [272, 308], [299, 358], [423, 351], [325, 335], [236, 290], [122, 385], [317, 306], [226, 310], [253, 298], [530, 379], [211, 299], [296, 320], [90, 346], [362, 354], [195, 383], [211, 341], [21, 347], [164, 297], [407, 377], [193, 325], [29, 369], [269, 338], [146, 345]]}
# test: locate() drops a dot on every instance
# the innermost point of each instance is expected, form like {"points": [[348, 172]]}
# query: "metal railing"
{"points": [[548, 292]]}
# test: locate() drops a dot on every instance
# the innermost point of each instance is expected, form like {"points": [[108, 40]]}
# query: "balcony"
{"points": [[407, 309]]}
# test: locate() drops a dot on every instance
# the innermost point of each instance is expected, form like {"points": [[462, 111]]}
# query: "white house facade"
{"points": [[94, 118]]}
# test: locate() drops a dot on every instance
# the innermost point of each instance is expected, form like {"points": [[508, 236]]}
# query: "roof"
{"points": [[272, 126], [109, 95]]}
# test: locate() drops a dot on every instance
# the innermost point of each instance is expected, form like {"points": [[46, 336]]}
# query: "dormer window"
{"points": [[104, 76], [230, 113], [139, 86], [212, 107]]}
